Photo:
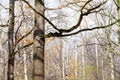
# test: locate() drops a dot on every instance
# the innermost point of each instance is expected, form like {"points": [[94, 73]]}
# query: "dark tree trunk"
{"points": [[38, 51], [10, 75]]}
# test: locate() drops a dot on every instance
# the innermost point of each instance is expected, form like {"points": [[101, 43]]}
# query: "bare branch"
{"points": [[94, 28], [25, 46], [118, 7], [85, 5], [56, 34], [3, 25], [55, 27], [17, 31], [117, 71], [3, 6], [62, 6], [89, 11], [25, 35]]}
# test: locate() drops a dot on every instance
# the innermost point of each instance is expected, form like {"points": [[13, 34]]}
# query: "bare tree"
{"points": [[86, 8], [11, 41]]}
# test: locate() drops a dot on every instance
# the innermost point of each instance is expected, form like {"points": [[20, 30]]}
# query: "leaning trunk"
{"points": [[10, 75], [38, 51]]}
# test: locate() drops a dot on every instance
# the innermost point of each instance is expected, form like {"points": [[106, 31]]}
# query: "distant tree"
{"points": [[11, 41]]}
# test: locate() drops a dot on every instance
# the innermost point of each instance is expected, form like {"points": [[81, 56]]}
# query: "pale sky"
{"points": [[52, 3]]}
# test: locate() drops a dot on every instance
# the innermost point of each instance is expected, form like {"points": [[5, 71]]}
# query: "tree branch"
{"points": [[73, 27], [89, 11], [118, 7], [56, 34], [94, 28], [3, 6], [17, 31], [25, 46], [25, 35], [3, 25], [63, 6], [55, 27]]}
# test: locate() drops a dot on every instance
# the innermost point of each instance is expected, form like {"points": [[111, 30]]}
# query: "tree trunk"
{"points": [[83, 62], [39, 41], [25, 66], [10, 75], [97, 64], [112, 66]]}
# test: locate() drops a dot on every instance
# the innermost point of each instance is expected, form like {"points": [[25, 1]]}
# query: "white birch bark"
{"points": [[25, 67], [63, 71], [67, 65], [83, 62], [112, 66], [96, 52], [75, 65], [103, 70]]}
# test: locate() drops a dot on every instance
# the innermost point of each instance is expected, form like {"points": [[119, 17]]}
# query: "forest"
{"points": [[59, 39]]}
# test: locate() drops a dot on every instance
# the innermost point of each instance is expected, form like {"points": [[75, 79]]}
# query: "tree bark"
{"points": [[10, 71], [39, 41]]}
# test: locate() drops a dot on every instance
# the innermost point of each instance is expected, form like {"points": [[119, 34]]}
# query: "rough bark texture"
{"points": [[10, 41], [38, 52]]}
